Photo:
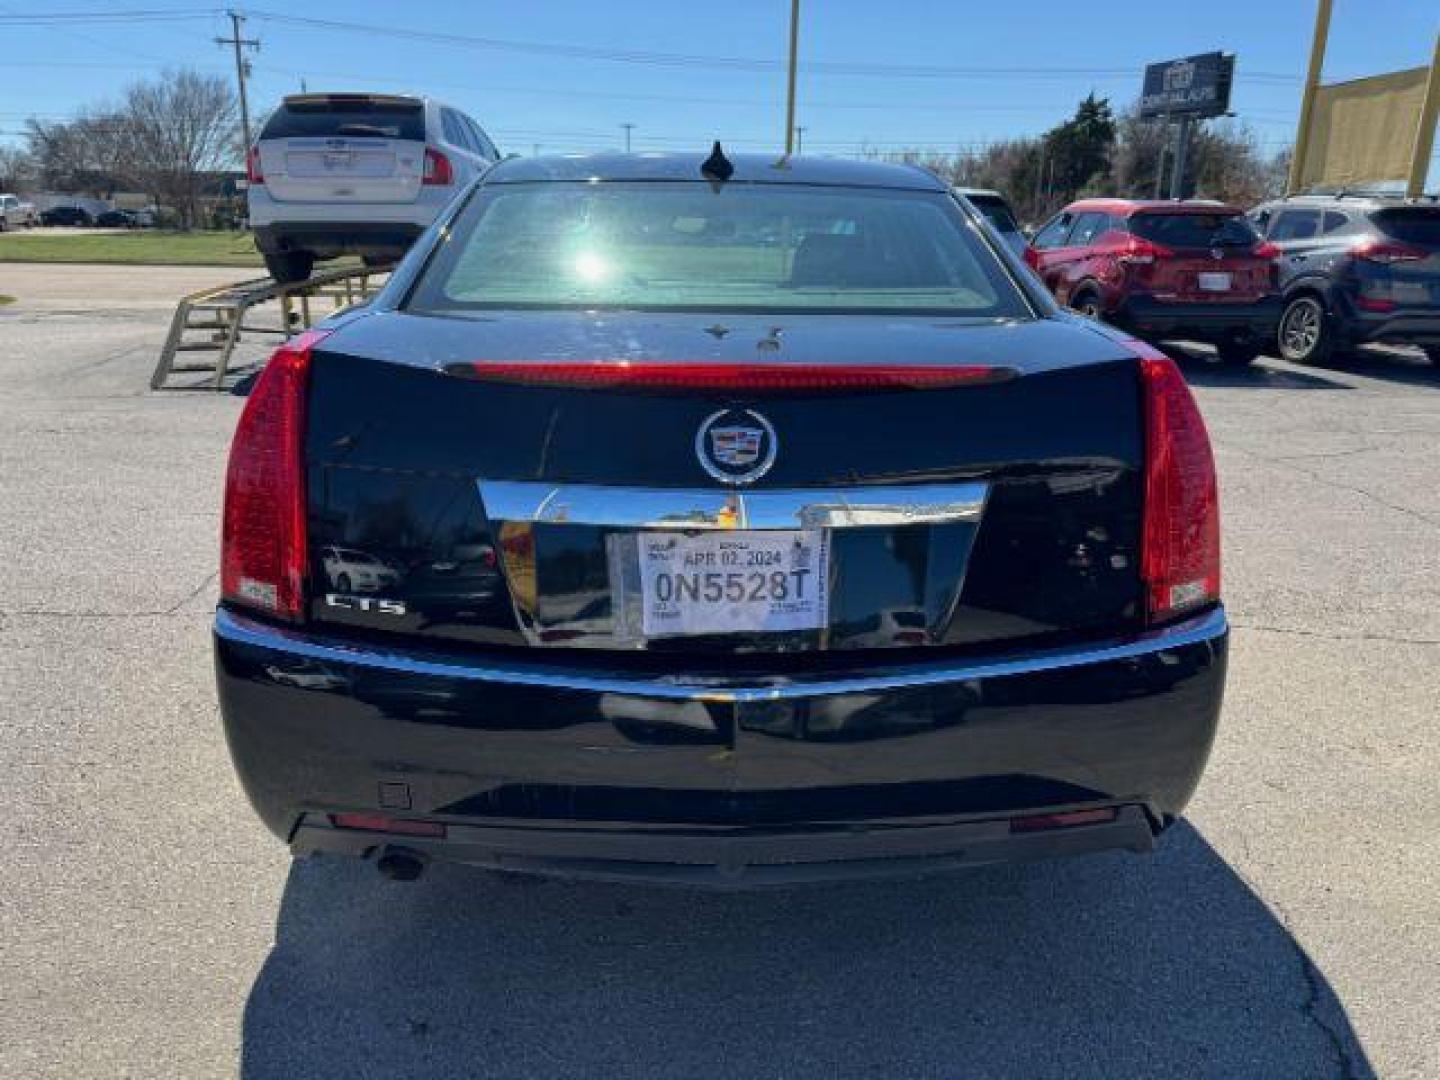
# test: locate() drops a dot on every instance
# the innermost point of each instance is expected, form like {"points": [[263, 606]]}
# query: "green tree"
{"points": [[1078, 151]]}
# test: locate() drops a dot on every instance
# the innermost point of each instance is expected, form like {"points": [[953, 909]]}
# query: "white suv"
{"points": [[14, 213], [356, 174]]}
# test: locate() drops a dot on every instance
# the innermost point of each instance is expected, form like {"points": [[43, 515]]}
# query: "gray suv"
{"points": [[1355, 269]]}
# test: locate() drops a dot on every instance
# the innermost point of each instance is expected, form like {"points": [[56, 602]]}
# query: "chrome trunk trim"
{"points": [[700, 508], [1206, 628]]}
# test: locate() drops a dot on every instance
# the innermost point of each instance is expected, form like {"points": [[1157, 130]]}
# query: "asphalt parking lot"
{"points": [[1291, 928]]}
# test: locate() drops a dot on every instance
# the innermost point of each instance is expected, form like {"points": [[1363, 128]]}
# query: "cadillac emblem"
{"points": [[736, 446]]}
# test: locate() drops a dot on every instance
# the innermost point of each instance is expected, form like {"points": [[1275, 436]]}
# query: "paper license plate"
{"points": [[1215, 282], [734, 582]]}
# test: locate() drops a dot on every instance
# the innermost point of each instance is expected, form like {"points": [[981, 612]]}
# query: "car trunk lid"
{"points": [[522, 515], [1200, 256], [1402, 264], [344, 147]]}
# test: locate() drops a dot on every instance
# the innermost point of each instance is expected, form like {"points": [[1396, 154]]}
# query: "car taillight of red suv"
{"points": [[1164, 271]]}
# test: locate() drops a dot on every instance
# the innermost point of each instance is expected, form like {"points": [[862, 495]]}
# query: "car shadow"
{"points": [[1396, 365], [1201, 368], [1102, 967]]}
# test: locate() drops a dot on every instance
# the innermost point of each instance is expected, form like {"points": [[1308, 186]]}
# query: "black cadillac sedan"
{"points": [[744, 521]]}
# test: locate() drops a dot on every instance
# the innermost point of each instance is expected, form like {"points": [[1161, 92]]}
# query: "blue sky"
{"points": [[1021, 66]]}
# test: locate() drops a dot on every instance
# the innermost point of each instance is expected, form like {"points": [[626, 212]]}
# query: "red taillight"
{"points": [[367, 822], [1266, 250], [262, 555], [1141, 252], [438, 171], [1376, 304], [253, 172], [703, 376], [1180, 544], [1387, 251]]}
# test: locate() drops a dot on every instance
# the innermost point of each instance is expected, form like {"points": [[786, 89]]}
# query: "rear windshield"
{"points": [[357, 119], [996, 212], [733, 247], [1415, 225], [1195, 230]]}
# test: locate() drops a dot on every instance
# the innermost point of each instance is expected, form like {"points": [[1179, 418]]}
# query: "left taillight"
{"points": [[263, 543], [253, 173], [1180, 544], [438, 170]]}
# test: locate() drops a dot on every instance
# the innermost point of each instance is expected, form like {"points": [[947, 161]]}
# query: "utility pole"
{"points": [[628, 128], [242, 67], [800, 139], [1160, 156], [790, 92]]}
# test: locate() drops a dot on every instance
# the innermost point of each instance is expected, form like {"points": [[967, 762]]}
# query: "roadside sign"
{"points": [[1191, 86]]}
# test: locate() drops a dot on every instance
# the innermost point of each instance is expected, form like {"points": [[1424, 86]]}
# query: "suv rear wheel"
{"points": [[288, 267], [1306, 335]]}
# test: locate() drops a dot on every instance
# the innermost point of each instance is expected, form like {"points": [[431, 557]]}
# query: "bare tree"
{"points": [[18, 169], [180, 128], [1095, 153], [87, 155], [166, 137]]}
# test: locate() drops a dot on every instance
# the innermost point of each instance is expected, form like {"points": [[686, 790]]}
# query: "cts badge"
{"points": [[736, 446], [370, 604]]}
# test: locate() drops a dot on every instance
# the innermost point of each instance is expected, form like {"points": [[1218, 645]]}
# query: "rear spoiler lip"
{"points": [[750, 377], [356, 97]]}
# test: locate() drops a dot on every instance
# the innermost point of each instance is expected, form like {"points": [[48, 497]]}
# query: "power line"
{"points": [[71, 18], [668, 59]]}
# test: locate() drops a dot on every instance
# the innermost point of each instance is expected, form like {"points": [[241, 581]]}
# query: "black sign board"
{"points": [[1194, 86]]}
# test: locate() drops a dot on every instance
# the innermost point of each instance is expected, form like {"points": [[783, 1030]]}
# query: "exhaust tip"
{"points": [[400, 864]]}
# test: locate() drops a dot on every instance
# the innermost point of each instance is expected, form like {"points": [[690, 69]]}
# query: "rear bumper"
{"points": [[743, 780], [327, 240], [1147, 316], [740, 858], [1400, 328]]}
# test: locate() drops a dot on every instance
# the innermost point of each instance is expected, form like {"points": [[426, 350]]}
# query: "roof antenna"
{"points": [[717, 166]]}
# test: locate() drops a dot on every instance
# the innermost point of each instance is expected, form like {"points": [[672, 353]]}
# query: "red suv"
{"points": [[1191, 270]]}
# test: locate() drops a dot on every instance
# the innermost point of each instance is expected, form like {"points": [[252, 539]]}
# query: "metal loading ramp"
{"points": [[210, 323]]}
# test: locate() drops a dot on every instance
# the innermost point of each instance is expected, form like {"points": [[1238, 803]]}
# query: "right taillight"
{"points": [[1373, 249], [1180, 544], [253, 173], [438, 171], [263, 545]]}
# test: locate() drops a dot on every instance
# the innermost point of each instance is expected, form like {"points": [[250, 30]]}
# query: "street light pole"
{"points": [[800, 139], [790, 92], [628, 128]]}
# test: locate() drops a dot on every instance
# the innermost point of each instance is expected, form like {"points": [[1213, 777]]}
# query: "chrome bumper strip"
{"points": [[237, 628], [714, 508]]}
